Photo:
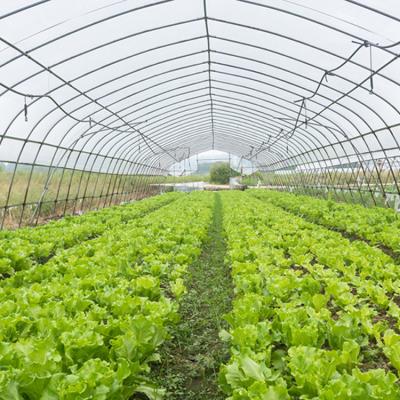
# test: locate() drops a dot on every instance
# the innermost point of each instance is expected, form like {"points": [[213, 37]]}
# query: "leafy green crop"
{"points": [[86, 324], [24, 248], [377, 225], [314, 317]]}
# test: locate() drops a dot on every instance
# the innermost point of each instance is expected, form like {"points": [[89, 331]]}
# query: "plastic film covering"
{"points": [[99, 97]]}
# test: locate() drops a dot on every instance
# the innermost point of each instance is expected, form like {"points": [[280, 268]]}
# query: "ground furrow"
{"points": [[192, 358]]}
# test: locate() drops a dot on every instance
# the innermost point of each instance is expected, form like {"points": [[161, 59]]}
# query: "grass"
{"points": [[191, 359], [70, 191], [65, 184]]}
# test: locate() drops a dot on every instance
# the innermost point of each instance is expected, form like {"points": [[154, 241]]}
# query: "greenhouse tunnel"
{"points": [[99, 98]]}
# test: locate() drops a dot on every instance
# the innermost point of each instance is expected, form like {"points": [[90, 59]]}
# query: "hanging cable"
{"points": [[369, 45], [330, 72], [25, 110], [265, 146], [82, 93], [305, 113], [89, 120], [371, 78], [292, 132], [389, 46]]}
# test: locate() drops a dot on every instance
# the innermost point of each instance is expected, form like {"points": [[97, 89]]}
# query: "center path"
{"points": [[192, 358]]}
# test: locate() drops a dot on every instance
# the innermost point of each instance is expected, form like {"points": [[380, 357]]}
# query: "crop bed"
{"points": [[379, 226], [23, 248], [315, 316], [86, 324], [126, 303]]}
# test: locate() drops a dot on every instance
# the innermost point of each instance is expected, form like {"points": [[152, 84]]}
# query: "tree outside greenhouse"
{"points": [[221, 172]]}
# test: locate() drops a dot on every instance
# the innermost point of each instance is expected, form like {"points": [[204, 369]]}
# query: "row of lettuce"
{"points": [[23, 248], [377, 225], [315, 316], [87, 323]]}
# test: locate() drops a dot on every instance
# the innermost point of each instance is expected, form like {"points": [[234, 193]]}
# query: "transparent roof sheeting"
{"points": [[135, 86]]}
